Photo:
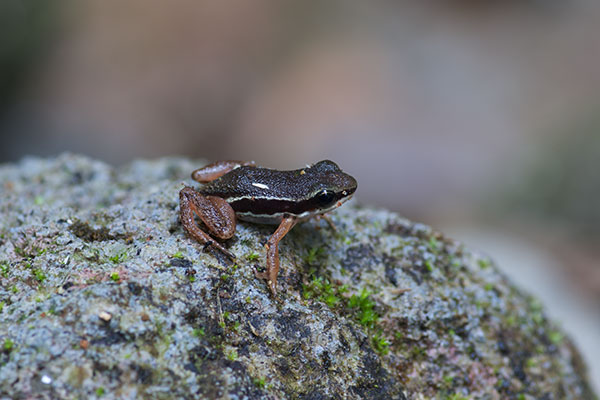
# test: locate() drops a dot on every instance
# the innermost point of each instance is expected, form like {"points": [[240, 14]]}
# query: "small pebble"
{"points": [[105, 316]]}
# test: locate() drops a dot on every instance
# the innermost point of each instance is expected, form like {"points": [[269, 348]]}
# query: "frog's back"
{"points": [[260, 183], [266, 195]]}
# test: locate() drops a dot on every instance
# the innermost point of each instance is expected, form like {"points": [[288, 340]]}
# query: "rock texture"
{"points": [[103, 296]]}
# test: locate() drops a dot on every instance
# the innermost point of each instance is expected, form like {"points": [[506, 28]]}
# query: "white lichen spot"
{"points": [[105, 316], [46, 380]]}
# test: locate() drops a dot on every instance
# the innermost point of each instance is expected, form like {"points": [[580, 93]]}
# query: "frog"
{"points": [[236, 190]]}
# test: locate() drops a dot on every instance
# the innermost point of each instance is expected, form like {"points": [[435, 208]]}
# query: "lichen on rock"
{"points": [[102, 295]]}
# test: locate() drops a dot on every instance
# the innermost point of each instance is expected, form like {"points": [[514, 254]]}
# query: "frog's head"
{"points": [[331, 186]]}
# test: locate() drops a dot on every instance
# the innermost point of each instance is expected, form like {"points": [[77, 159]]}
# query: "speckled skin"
{"points": [[291, 192]]}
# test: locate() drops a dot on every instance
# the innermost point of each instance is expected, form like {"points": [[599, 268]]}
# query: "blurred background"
{"points": [[478, 117]]}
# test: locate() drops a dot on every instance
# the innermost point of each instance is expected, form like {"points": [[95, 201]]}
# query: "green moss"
{"points": [[198, 332], [237, 326], [119, 257], [115, 276], [8, 345], [484, 263], [360, 306], [313, 254], [252, 256], [535, 305], [537, 318], [555, 337], [454, 262], [488, 286], [448, 380], [380, 344], [179, 254], [434, 245], [158, 325], [457, 396], [1, 306], [428, 265], [232, 355], [39, 275], [363, 307], [510, 320], [259, 382], [417, 353], [4, 269], [321, 289], [100, 391]]}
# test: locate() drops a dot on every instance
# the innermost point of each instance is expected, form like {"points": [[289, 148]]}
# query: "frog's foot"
{"points": [[267, 277], [209, 244]]}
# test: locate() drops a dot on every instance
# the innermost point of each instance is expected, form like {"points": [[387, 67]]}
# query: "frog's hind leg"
{"points": [[217, 169], [216, 213]]}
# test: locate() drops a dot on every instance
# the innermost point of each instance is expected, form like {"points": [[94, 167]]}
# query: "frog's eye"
{"points": [[325, 197]]}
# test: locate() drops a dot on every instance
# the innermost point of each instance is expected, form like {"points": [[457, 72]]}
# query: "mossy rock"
{"points": [[104, 296]]}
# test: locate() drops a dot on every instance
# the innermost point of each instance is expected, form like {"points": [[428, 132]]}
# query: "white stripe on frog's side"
{"points": [[232, 199], [291, 200], [277, 217], [274, 218]]}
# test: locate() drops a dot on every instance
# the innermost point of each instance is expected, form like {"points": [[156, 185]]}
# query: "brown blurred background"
{"points": [[479, 117]]}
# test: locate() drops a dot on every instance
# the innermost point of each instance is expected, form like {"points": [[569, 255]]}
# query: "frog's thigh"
{"points": [[216, 213], [219, 217], [217, 169]]}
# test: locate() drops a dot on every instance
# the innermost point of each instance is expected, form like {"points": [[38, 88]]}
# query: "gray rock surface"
{"points": [[103, 296]]}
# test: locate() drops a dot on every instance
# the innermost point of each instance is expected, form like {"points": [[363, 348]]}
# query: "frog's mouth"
{"points": [[338, 203], [342, 200]]}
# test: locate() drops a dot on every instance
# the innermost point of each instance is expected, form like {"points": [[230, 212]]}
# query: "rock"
{"points": [[103, 295]]}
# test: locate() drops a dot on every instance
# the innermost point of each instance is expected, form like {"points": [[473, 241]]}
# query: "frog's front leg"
{"points": [[216, 213], [329, 221], [217, 169], [272, 269]]}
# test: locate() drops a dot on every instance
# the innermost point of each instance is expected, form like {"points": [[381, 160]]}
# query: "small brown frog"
{"points": [[267, 196]]}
